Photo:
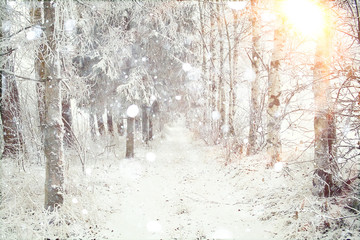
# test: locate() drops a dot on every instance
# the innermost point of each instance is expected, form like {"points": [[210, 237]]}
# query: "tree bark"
{"points": [[130, 137], [234, 67], [324, 124], [274, 93], [255, 111], [120, 127], [145, 124], [67, 122], [53, 129], [110, 123], [221, 85]]}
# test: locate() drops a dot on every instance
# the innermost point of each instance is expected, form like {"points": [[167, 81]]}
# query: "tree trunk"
{"points": [[2, 144], [221, 84], [120, 127], [10, 106], [100, 123], [92, 125], [130, 137], [274, 93], [234, 67], [324, 124], [255, 111], [110, 123], [212, 72], [67, 121], [151, 127], [53, 129], [145, 124]]}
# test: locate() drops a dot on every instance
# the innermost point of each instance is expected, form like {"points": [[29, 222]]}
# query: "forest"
{"points": [[180, 119]]}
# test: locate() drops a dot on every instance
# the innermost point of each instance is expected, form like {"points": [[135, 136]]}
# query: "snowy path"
{"points": [[183, 194]]}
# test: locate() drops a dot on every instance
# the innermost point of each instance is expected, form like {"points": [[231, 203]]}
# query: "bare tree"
{"points": [[255, 110], [324, 124]]}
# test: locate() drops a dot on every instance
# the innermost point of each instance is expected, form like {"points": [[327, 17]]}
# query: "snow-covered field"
{"points": [[175, 188]]}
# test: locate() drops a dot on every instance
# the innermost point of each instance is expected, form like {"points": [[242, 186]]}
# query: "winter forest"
{"points": [[205, 119]]}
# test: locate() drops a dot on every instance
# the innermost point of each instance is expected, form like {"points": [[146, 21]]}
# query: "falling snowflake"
{"points": [[215, 115], [132, 111], [70, 25], [178, 98], [34, 33], [84, 211], [74, 200], [186, 67]]}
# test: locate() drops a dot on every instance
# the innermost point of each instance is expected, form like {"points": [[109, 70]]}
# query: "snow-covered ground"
{"points": [[176, 188]]}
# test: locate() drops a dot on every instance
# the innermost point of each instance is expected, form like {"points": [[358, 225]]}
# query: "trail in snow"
{"points": [[182, 194]]}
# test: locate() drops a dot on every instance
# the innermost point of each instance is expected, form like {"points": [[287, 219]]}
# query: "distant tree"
{"points": [[255, 110], [10, 106]]}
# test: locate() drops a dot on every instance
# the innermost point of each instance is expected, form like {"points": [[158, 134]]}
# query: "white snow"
{"points": [[237, 5], [178, 97], [132, 111], [278, 166], [34, 33], [153, 226], [150, 156], [187, 193]]}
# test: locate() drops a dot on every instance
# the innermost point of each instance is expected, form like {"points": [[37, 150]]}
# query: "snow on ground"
{"points": [[176, 188], [182, 194]]}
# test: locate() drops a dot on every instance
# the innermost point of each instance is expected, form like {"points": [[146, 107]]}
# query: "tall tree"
{"points": [[274, 90], [221, 82], [53, 125], [10, 105], [324, 124], [130, 137], [255, 110]]}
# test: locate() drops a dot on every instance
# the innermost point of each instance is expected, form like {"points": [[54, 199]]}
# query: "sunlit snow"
{"points": [[132, 111], [222, 233], [88, 171], [130, 169], [278, 166], [154, 226], [150, 156]]}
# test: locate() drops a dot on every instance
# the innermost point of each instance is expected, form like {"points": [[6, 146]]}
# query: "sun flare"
{"points": [[305, 16]]}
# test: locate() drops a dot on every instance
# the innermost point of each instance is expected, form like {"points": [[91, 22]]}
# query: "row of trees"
{"points": [[284, 72], [238, 71]]}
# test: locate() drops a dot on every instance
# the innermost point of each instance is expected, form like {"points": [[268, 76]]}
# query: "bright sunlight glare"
{"points": [[305, 16]]}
